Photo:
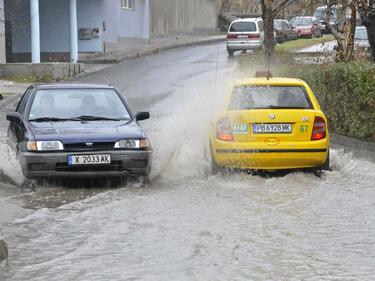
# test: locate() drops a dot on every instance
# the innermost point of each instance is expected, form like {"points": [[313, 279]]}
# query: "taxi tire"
{"points": [[214, 167], [326, 165]]}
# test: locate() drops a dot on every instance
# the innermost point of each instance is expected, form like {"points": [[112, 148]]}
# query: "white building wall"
{"points": [[2, 33], [54, 25], [172, 16], [121, 22]]}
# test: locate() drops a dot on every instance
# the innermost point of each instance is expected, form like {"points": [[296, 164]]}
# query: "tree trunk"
{"points": [[268, 16], [349, 48], [370, 26]]}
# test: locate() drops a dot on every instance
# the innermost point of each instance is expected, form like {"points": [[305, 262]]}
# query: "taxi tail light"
{"points": [[319, 129], [224, 130]]}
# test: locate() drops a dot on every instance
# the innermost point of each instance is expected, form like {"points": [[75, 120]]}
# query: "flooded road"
{"points": [[188, 224]]}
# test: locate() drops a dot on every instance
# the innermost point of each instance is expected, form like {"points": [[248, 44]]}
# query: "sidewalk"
{"points": [[11, 91], [128, 48]]}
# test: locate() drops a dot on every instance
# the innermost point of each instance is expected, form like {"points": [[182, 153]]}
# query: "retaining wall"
{"points": [[57, 71]]}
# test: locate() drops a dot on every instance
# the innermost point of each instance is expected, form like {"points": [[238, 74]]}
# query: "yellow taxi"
{"points": [[270, 124]]}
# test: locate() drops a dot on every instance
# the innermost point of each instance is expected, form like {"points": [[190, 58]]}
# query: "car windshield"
{"points": [[361, 34], [88, 104], [301, 22], [267, 97], [243, 26], [278, 24]]}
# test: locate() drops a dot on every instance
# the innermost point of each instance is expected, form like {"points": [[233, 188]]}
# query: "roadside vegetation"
{"points": [[345, 90], [301, 43]]}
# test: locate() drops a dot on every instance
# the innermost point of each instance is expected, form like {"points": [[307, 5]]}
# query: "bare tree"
{"points": [[366, 9], [270, 9]]}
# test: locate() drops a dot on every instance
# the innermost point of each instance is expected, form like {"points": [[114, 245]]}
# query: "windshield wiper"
{"points": [[53, 119], [97, 118]]}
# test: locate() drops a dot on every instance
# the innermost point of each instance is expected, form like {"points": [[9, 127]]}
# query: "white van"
{"points": [[245, 34]]}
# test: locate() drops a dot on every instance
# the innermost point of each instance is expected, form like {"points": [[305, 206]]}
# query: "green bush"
{"points": [[346, 92]]}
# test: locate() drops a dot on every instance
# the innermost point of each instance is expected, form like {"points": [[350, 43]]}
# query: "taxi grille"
{"points": [[83, 146], [115, 166]]}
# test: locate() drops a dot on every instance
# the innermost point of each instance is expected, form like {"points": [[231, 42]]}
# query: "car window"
{"points": [[70, 103], [361, 34], [301, 22], [24, 99], [260, 26], [278, 24], [262, 97], [243, 26]]}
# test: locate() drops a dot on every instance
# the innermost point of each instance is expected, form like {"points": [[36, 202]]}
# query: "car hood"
{"points": [[97, 131]]}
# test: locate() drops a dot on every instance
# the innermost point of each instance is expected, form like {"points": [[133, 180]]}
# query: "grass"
{"points": [[29, 79], [300, 43]]}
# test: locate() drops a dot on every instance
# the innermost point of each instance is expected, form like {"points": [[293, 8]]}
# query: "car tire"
{"points": [[326, 165], [231, 53], [214, 167]]}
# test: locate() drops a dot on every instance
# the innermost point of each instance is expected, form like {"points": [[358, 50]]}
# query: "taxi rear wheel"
{"points": [[214, 167]]}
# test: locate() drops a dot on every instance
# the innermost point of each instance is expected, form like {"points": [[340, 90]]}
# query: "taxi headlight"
{"points": [[44, 145], [132, 144]]}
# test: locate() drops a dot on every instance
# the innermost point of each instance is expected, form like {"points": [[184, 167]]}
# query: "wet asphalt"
{"points": [[188, 224]]}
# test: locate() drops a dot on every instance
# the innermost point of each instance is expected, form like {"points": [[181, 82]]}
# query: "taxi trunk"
{"points": [[272, 127]]}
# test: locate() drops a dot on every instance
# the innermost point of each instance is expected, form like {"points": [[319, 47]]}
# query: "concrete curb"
{"points": [[3, 249], [360, 148], [152, 51]]}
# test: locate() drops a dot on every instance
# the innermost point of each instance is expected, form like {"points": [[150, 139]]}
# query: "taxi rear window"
{"points": [[269, 97]]}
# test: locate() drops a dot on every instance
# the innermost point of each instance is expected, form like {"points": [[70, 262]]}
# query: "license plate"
{"points": [[243, 36], [89, 159], [272, 128]]}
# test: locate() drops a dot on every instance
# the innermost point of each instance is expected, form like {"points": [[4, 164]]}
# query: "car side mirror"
{"points": [[14, 117], [142, 116]]}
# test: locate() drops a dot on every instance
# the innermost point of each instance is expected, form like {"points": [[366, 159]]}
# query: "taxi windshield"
{"points": [[269, 97]]}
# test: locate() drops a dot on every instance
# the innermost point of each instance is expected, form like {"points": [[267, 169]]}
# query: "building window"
{"points": [[127, 4]]}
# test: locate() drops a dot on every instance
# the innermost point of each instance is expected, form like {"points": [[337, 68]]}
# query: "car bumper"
{"points": [[259, 156], [244, 45], [305, 33], [123, 163]]}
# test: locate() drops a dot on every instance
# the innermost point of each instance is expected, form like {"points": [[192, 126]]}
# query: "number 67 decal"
{"points": [[304, 129]]}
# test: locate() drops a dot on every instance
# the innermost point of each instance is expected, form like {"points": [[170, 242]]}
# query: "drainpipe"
{"points": [[35, 31], [73, 31]]}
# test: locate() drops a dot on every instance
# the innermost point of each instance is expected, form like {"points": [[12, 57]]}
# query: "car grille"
{"points": [[83, 146], [115, 166]]}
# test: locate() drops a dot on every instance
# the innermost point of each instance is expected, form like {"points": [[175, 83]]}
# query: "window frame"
{"points": [[128, 5]]}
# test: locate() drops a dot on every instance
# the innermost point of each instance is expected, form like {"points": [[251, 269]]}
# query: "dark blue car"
{"points": [[69, 130]]}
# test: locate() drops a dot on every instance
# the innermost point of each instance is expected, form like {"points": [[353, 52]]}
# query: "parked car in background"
{"points": [[306, 26], [321, 13], [245, 34], [361, 38], [70, 130], [284, 31]]}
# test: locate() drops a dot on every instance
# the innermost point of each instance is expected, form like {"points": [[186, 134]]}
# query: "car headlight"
{"points": [[44, 145], [132, 144]]}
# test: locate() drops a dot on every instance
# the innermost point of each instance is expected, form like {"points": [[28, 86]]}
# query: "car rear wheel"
{"points": [[214, 167], [230, 52]]}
